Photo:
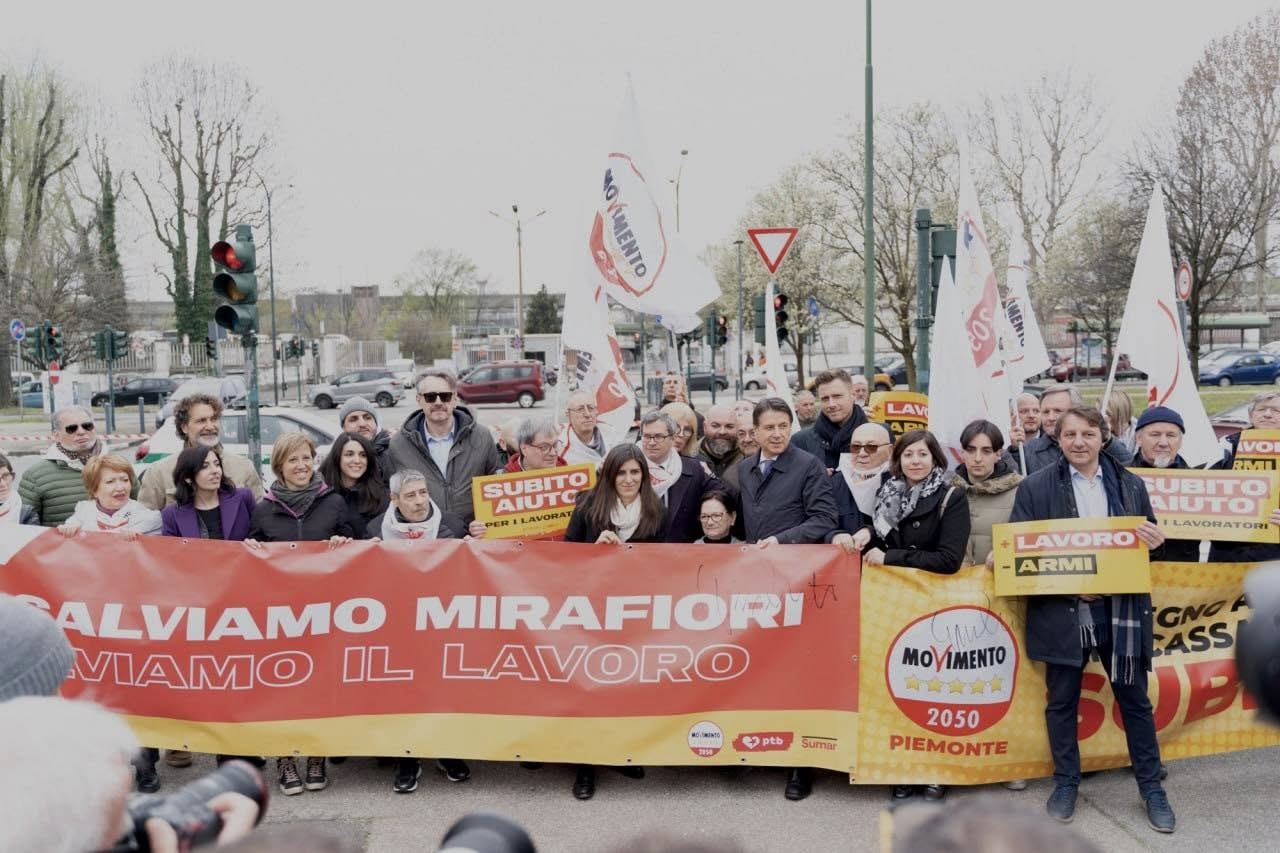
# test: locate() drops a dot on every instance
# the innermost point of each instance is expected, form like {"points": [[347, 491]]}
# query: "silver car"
{"points": [[373, 383]]}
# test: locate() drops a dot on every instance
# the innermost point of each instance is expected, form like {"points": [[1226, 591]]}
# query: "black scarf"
{"points": [[834, 439], [298, 502]]}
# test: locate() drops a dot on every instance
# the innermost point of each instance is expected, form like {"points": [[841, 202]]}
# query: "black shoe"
{"points": [[584, 784], [935, 793], [631, 771], [454, 769], [290, 781], [1159, 812], [799, 783], [148, 780], [317, 779], [904, 792], [1164, 771], [1062, 803], [408, 771]]}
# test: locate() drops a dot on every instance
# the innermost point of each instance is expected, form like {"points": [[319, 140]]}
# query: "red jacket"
{"points": [[513, 466]]}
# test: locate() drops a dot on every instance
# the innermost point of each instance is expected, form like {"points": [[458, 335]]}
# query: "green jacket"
{"points": [[53, 486]]}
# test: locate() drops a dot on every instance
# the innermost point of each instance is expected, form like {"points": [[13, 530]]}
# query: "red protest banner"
{"points": [[661, 654]]}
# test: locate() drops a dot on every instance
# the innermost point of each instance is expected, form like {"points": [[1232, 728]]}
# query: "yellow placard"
{"points": [[1071, 556], [530, 504], [1230, 506], [1258, 450], [900, 411]]}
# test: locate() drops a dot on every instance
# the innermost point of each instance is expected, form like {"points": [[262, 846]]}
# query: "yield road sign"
{"points": [[772, 244], [18, 330]]}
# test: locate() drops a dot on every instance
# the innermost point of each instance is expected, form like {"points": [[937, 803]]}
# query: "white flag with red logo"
{"points": [[979, 296], [953, 377], [1025, 353], [632, 249], [1151, 336], [598, 368]]}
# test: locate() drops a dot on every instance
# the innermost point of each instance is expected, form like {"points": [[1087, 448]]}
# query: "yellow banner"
{"points": [[1232, 506], [963, 705], [530, 504], [1073, 556], [900, 411], [1258, 450]]}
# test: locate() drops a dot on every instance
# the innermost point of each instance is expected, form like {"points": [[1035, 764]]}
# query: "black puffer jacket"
{"points": [[932, 537], [327, 516]]}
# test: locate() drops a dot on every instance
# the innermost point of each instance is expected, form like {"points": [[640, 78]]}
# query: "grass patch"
{"points": [[1215, 400]]}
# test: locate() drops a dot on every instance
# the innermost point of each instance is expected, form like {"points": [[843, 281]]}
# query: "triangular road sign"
{"points": [[772, 244]]}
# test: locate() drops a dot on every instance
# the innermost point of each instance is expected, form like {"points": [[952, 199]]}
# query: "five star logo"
{"points": [[935, 685], [957, 686], [913, 683]]}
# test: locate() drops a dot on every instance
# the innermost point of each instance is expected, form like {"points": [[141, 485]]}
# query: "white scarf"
{"points": [[575, 451], [863, 485], [132, 516], [663, 475], [393, 528], [11, 509], [625, 518]]}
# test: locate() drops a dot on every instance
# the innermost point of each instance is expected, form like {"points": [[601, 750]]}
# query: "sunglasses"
{"points": [[855, 449], [433, 396], [73, 428]]}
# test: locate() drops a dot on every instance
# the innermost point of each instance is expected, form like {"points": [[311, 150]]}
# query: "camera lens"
{"points": [[485, 832]]}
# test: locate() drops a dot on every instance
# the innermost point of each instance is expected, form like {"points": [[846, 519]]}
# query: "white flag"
{"points": [[631, 249], [1025, 353], [599, 368], [953, 377], [1151, 336], [979, 295], [775, 374]]}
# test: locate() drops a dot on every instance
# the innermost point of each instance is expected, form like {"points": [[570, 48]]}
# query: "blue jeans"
{"points": [[1061, 713]]}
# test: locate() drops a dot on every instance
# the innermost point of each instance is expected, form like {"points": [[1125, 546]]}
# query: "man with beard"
{"points": [[198, 421], [1043, 451], [720, 445], [854, 485], [357, 416], [1159, 438], [678, 480], [806, 409], [830, 433], [582, 440]]}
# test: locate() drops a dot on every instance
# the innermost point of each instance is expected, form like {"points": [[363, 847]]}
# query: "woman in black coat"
{"points": [[623, 507], [299, 507], [351, 470]]}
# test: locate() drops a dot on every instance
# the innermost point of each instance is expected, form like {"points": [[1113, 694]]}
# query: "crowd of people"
{"points": [[738, 474]]}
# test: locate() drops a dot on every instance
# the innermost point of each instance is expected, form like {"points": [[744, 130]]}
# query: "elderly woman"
{"points": [[299, 507], [206, 504], [351, 470], [718, 515], [535, 446], [687, 442], [110, 481], [12, 509]]}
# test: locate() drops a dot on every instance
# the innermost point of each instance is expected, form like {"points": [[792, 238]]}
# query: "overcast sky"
{"points": [[401, 124]]}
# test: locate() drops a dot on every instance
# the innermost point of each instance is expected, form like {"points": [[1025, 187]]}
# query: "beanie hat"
{"points": [[1161, 415], [35, 655], [356, 404]]}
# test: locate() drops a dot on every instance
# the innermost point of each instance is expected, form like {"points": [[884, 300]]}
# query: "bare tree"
{"points": [[1214, 166], [436, 286]]}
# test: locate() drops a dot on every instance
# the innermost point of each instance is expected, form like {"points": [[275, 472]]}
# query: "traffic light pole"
{"points": [[250, 341], [111, 383], [715, 330], [741, 322]]}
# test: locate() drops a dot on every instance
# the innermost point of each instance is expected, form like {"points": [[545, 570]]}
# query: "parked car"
{"points": [[235, 435], [1066, 368], [214, 386], [32, 394], [503, 382], [754, 378], [377, 384], [883, 381], [700, 379], [148, 389], [1256, 368], [895, 367], [1232, 420]]}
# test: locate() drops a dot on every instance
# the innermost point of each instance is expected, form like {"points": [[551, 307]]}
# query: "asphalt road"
{"points": [[1223, 802]]}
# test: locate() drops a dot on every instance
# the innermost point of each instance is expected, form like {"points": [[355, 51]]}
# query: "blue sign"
{"points": [[18, 330], [813, 306]]}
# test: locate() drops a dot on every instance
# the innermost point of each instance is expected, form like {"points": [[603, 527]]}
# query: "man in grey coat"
{"points": [[444, 441]]}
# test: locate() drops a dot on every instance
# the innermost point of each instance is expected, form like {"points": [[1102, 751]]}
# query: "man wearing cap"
{"points": [[357, 416], [35, 655], [1159, 438]]}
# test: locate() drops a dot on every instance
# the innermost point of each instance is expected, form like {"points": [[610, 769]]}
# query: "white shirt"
{"points": [[1091, 494], [438, 448]]}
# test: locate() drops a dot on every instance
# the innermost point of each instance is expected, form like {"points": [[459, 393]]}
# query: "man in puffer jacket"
{"points": [[54, 485]]}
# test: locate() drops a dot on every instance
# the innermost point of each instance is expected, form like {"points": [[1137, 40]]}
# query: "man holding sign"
{"points": [[1252, 449], [1062, 630], [1159, 438]]}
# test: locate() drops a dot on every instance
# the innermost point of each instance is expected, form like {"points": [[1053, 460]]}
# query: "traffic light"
{"points": [[315, 349], [34, 345], [709, 330], [721, 331], [236, 282], [757, 305], [296, 348], [210, 348], [119, 343], [100, 344], [780, 316], [52, 342]]}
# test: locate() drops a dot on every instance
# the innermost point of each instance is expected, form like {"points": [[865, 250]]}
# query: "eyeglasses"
{"points": [[72, 429], [585, 409], [433, 396], [855, 449], [654, 438], [685, 433], [543, 448], [1267, 410], [713, 517]]}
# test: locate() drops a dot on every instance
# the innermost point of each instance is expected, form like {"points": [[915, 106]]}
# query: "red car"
{"points": [[1063, 370], [503, 382]]}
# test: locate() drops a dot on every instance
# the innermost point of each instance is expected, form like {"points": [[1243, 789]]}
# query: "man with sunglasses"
{"points": [[54, 485], [854, 483], [443, 440]]}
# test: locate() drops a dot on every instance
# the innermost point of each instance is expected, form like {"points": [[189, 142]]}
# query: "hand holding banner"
{"points": [[530, 504], [1072, 556]]}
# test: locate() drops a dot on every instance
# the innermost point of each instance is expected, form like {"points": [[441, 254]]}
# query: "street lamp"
{"points": [[684, 152], [519, 226], [271, 261]]}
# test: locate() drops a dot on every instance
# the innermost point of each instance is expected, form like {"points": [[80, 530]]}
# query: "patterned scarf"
{"points": [[132, 515], [663, 475], [896, 500], [394, 526], [298, 501], [82, 456]]}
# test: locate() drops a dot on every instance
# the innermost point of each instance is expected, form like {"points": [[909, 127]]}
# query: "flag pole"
{"points": [[1111, 380]]}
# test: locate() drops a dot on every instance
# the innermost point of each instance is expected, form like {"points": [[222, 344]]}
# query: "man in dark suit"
{"points": [[786, 500], [678, 480]]}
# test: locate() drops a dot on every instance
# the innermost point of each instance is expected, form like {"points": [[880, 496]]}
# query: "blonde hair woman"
{"points": [[687, 442]]}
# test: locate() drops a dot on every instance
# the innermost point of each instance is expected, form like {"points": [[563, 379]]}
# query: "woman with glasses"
{"points": [[1264, 413], [718, 515], [686, 438], [12, 509], [677, 480], [351, 469], [536, 446]]}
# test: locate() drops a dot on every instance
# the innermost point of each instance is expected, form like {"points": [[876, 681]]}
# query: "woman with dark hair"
{"points": [[207, 505], [351, 470], [623, 507], [989, 482], [718, 513], [12, 509]]}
